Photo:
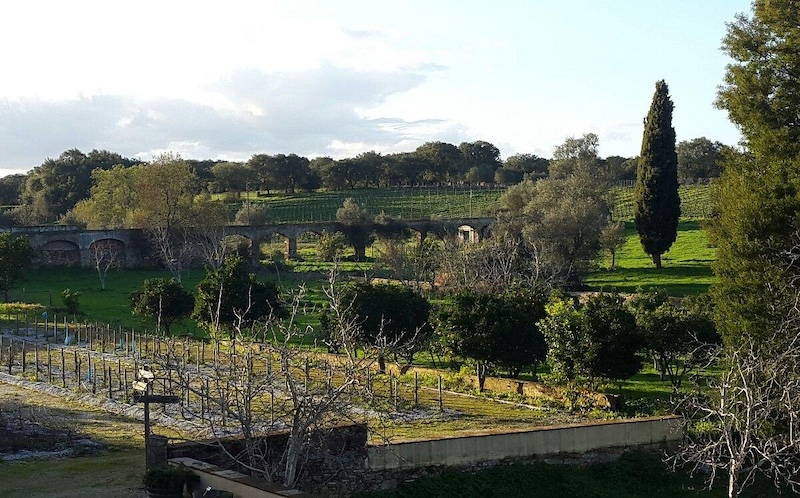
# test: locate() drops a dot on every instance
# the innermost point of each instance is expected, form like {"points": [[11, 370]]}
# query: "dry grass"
{"points": [[114, 472]]}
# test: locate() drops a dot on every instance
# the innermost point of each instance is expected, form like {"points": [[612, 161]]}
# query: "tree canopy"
{"points": [[16, 256], [230, 297], [700, 158], [657, 205], [560, 219], [758, 194], [165, 300], [58, 184], [495, 330]]}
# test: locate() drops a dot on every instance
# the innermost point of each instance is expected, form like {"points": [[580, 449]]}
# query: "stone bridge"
{"points": [[68, 245]]}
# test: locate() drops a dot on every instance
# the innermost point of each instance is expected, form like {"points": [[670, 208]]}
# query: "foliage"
{"points": [[614, 340], [392, 313], [757, 198], [71, 301], [657, 204], [560, 220], [170, 478], [283, 172], [165, 300], [529, 164], [494, 329], [160, 198], [16, 256], [677, 339], [578, 157], [700, 158], [230, 296], [54, 187], [331, 246], [566, 333], [357, 226], [253, 214], [612, 238], [443, 161], [11, 188], [761, 91], [233, 177]]}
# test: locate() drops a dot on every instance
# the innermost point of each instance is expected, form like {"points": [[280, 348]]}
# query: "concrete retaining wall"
{"points": [[537, 442], [242, 486]]}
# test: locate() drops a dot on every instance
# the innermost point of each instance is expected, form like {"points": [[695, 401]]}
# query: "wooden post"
{"points": [[36, 363], [23, 356], [441, 398], [109, 383], [77, 369], [63, 370], [416, 389], [49, 365]]}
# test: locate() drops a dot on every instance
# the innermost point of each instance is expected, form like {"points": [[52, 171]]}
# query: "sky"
{"points": [[226, 80]]}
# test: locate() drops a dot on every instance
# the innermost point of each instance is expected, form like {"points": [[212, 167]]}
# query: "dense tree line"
{"points": [[51, 190]]}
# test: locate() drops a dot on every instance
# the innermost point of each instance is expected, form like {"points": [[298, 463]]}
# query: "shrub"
{"points": [[253, 213], [331, 246], [70, 300]]}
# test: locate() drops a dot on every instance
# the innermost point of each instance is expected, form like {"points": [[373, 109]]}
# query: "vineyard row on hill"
{"points": [[433, 203]]}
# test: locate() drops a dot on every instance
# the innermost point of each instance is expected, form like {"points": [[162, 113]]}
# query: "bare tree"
{"points": [[747, 421], [273, 388], [106, 256], [495, 264], [175, 247]]}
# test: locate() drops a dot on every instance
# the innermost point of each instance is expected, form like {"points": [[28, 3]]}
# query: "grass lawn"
{"points": [[111, 306], [686, 266], [116, 471], [635, 475]]}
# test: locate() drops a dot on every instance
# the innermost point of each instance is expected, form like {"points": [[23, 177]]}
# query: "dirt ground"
{"points": [[37, 430]]}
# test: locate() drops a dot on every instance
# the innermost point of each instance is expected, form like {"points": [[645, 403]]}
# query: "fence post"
{"points": [[416, 389], [77, 369], [49, 366], [441, 398], [63, 370], [23, 356]]}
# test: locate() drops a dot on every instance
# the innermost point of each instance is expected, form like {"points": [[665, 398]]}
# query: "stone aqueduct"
{"points": [[68, 245]]}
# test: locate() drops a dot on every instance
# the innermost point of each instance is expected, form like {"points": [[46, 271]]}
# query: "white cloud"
{"points": [[303, 112]]}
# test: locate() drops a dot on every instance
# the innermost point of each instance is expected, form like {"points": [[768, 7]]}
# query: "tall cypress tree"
{"points": [[657, 206]]}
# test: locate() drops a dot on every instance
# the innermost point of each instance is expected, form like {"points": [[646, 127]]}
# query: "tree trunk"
{"points": [[481, 372], [381, 363], [613, 259], [657, 260], [732, 482], [360, 252]]}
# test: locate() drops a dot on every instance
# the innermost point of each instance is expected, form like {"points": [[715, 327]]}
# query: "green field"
{"points": [[432, 203], [686, 266]]}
